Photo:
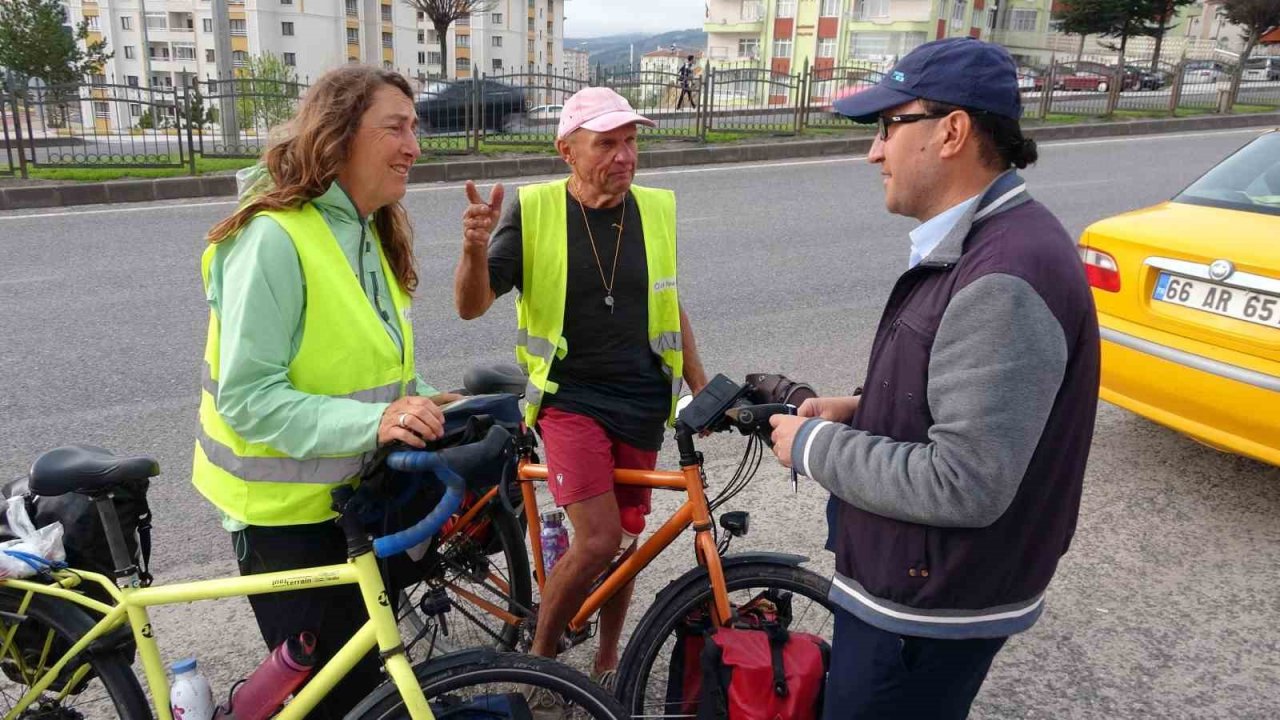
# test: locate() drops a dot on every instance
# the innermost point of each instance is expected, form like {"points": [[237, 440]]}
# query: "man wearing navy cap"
{"points": [[955, 477]]}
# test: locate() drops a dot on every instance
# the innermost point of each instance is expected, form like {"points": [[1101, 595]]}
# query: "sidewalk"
{"points": [[17, 197]]}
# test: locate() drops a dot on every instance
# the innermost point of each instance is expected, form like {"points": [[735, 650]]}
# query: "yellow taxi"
{"points": [[1188, 296]]}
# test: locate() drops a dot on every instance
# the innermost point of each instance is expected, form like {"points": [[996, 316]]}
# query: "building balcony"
{"points": [[728, 24]]}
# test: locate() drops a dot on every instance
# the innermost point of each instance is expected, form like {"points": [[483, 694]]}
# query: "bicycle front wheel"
{"points": [[486, 683], [644, 675], [96, 684]]}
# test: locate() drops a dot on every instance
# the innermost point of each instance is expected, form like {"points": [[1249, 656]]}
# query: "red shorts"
{"points": [[581, 458]]}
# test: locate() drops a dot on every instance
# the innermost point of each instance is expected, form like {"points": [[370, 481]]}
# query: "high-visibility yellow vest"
{"points": [[345, 352], [540, 307]]}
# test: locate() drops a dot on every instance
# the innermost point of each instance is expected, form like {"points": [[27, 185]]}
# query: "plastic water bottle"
{"points": [[274, 680], [555, 539], [632, 518], [190, 697]]}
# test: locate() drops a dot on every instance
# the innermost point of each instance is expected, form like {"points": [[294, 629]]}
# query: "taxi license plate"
{"points": [[1218, 299]]}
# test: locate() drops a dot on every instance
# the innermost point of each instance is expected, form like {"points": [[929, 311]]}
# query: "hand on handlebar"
{"points": [[835, 409], [412, 420]]}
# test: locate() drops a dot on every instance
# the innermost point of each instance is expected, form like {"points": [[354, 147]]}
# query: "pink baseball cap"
{"points": [[598, 109]]}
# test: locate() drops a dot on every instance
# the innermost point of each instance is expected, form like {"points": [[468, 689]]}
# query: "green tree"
{"points": [[1120, 19], [196, 112], [1255, 17], [266, 92], [36, 41]]}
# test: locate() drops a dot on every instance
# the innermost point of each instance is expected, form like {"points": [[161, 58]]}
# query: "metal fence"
{"points": [[102, 125]]}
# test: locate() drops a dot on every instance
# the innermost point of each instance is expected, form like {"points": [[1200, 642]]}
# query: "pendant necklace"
{"points": [[608, 285]]}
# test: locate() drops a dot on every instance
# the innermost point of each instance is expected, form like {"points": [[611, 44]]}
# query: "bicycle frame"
{"points": [[694, 511], [131, 606]]}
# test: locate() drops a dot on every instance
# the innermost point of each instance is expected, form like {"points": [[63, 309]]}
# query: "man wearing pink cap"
{"points": [[601, 334]]}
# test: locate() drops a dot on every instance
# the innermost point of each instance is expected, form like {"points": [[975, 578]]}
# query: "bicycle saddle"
{"points": [[493, 379], [87, 470]]}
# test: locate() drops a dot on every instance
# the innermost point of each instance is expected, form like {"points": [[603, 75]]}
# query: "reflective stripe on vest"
{"points": [[540, 306], [345, 352]]}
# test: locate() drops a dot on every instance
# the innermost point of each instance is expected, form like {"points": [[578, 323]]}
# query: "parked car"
{"points": [[1086, 75], [1030, 79], [1204, 71], [445, 106], [545, 112], [1188, 299], [1138, 77], [1262, 69]]}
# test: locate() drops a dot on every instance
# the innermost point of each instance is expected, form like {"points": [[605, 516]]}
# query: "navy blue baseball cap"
{"points": [[964, 72]]}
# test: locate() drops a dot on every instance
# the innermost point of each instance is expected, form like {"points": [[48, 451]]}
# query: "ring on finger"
{"points": [[400, 422]]}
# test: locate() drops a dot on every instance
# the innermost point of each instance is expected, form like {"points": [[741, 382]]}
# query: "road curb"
{"points": [[126, 191]]}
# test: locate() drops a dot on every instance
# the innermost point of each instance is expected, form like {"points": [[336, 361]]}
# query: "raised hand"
{"points": [[480, 217]]}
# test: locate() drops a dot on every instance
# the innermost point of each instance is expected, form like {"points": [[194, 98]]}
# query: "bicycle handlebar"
{"points": [[450, 466]]}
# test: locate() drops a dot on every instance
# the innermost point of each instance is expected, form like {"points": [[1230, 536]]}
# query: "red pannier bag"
{"points": [[753, 670]]}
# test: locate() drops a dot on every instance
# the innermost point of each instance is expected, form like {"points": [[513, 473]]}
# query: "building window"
{"points": [[865, 46], [1022, 20], [291, 59], [206, 24], [752, 11], [386, 13], [353, 36], [464, 41], [957, 14], [126, 22], [786, 8], [422, 37], [497, 18], [129, 52], [238, 27], [782, 48], [240, 58], [433, 57], [827, 48], [208, 56], [286, 2], [286, 28], [463, 63], [353, 8], [131, 80], [497, 41], [97, 79], [386, 39], [422, 58], [135, 109], [157, 21], [749, 48], [830, 8], [184, 52], [102, 109], [93, 22], [497, 64], [869, 9], [421, 16]]}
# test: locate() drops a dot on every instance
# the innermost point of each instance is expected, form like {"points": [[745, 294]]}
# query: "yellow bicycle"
{"points": [[65, 654]]}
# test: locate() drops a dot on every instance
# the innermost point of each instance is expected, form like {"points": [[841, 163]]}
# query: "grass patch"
{"points": [[204, 166]]}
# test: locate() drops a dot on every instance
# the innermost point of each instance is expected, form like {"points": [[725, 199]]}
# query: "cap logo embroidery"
{"points": [[898, 76]]}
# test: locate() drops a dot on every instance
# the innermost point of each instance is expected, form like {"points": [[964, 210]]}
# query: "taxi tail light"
{"points": [[1101, 269]]}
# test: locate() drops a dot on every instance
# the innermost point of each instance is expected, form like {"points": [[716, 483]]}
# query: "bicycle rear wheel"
{"points": [[96, 684], [644, 673], [484, 682], [478, 574]]}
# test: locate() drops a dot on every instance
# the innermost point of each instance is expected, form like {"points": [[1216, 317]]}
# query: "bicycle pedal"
{"points": [[574, 638]]}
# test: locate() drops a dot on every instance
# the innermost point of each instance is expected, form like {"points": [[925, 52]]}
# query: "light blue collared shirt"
{"points": [[929, 234]]}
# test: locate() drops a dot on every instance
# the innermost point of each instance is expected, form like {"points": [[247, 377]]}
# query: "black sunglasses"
{"points": [[885, 122]]}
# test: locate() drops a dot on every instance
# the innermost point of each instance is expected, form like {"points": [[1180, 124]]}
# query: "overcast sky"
{"points": [[591, 18]]}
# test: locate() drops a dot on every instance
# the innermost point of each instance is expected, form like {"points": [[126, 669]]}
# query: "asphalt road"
{"points": [[1166, 606]]}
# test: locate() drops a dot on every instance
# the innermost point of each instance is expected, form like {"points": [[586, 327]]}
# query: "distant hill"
{"points": [[615, 50]]}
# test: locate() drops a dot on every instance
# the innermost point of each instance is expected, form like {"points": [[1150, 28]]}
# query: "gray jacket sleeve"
{"points": [[997, 364]]}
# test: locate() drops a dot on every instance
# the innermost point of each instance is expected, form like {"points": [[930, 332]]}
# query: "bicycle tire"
{"points": [[507, 539], [110, 666], [472, 668], [635, 673]]}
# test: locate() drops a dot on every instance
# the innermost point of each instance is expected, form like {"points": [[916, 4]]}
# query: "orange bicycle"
{"points": [[482, 583]]}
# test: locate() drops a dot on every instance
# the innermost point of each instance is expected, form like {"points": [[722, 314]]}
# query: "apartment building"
{"points": [[784, 35], [163, 44], [577, 64]]}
